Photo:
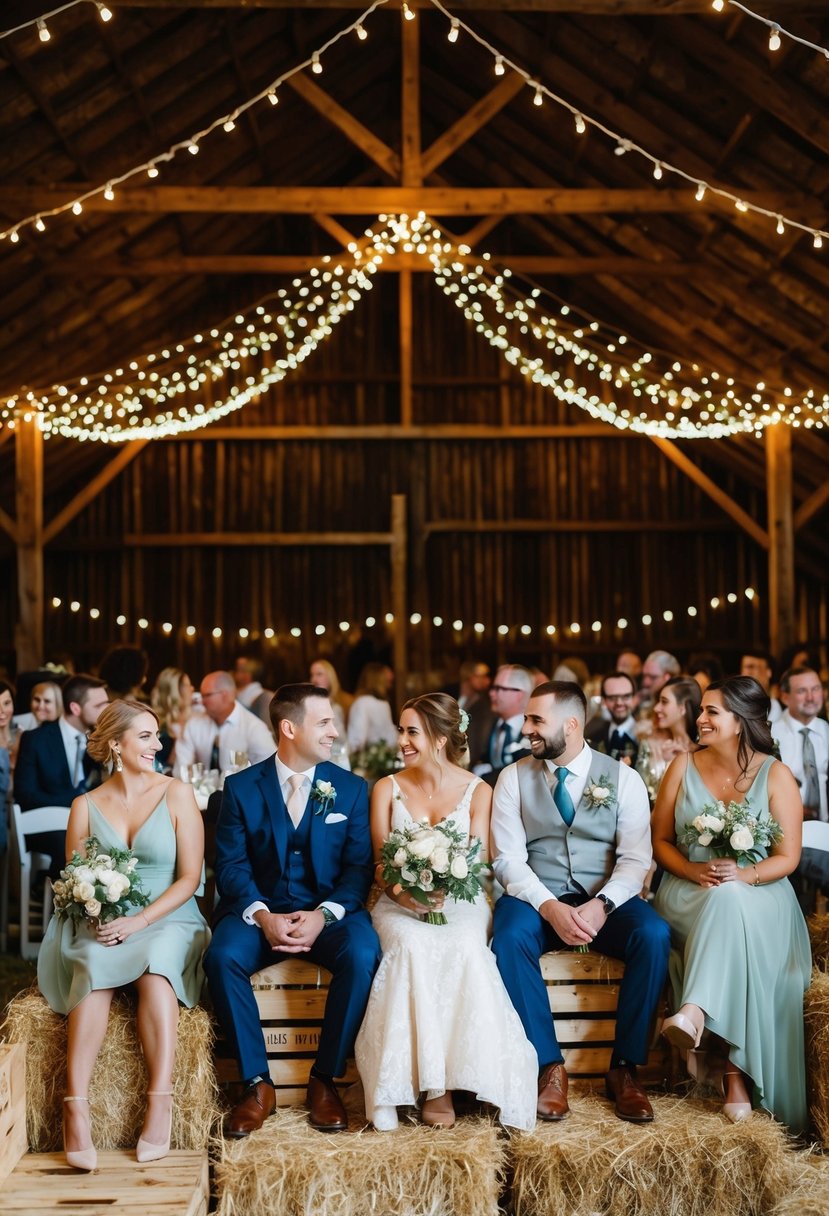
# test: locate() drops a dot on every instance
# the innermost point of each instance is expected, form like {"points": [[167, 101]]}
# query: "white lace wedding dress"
{"points": [[439, 1017]]}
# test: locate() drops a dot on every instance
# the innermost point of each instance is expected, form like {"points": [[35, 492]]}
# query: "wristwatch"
{"points": [[328, 916], [609, 905]]}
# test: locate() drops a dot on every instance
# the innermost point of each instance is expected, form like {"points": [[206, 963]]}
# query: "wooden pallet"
{"points": [[43, 1185], [12, 1106], [583, 991]]}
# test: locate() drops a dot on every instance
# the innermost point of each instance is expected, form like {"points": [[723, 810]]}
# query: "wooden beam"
{"points": [[93, 489], [608, 8], [741, 517], [406, 326], [478, 232], [412, 170], [336, 434], [472, 121], [782, 621], [8, 525], [334, 229], [486, 527], [810, 506], [176, 540], [273, 264], [29, 502], [371, 200], [398, 591], [351, 127]]}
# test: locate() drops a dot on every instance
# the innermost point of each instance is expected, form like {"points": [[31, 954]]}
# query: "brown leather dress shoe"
{"points": [[552, 1094], [258, 1103], [325, 1109], [623, 1088]]}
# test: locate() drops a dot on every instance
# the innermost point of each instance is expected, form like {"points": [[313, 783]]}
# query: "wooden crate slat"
{"points": [[291, 971], [286, 1096], [291, 1071], [592, 998], [585, 1030], [288, 1040], [578, 968], [176, 1186], [587, 1059], [287, 1004], [13, 1143]]}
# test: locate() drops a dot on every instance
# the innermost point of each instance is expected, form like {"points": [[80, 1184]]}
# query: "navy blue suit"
{"points": [[261, 857], [42, 778]]}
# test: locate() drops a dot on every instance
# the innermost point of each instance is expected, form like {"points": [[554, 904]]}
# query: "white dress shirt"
{"points": [[786, 730], [241, 731], [70, 738], [633, 835], [283, 776], [249, 694], [518, 742], [370, 721]]}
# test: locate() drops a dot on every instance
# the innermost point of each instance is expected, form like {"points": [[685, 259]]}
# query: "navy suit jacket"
{"points": [[252, 839], [41, 775]]}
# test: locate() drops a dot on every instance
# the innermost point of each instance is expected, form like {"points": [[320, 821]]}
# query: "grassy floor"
{"points": [[15, 975]]}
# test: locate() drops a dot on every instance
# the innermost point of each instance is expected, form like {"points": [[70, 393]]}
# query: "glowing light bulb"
{"points": [[718, 5], [190, 631], [316, 66], [344, 626], [229, 126], [657, 171], [457, 625], [319, 630], [622, 623], [103, 12], [389, 618], [692, 610], [499, 65], [56, 601], [700, 193], [415, 618], [42, 31], [596, 626], [667, 615], [774, 38], [750, 593], [575, 627], [581, 125], [273, 97], [361, 32], [781, 227], [120, 619], [269, 633], [407, 12], [244, 633], [538, 100], [109, 193], [14, 236], [77, 207], [143, 623], [741, 205], [454, 30], [647, 619], [370, 622], [152, 171], [74, 606], [478, 627], [817, 241], [167, 627], [437, 621], [551, 630]]}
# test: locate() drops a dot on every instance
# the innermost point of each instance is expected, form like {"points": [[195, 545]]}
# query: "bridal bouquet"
{"points": [[733, 830], [421, 859], [99, 885]]}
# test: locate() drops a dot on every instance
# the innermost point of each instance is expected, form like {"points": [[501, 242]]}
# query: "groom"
{"points": [[293, 868], [571, 836]]}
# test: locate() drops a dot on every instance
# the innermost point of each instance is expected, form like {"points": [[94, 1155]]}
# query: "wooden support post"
{"points": [[29, 501], [406, 327], [398, 594], [781, 536], [411, 172]]}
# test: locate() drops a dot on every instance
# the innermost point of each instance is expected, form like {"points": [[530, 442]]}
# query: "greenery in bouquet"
{"points": [[733, 830], [99, 885], [421, 859], [375, 760]]}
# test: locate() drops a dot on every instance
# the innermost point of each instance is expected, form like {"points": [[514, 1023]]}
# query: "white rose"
{"points": [[114, 893], [103, 875], [599, 793], [439, 860], [459, 868], [400, 858], [84, 891], [422, 846], [425, 880], [713, 823], [408, 875], [92, 907], [699, 823], [742, 839], [705, 838], [103, 859], [84, 874], [325, 788]]}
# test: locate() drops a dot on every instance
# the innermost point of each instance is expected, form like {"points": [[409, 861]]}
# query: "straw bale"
{"points": [[819, 937], [689, 1162], [288, 1169], [816, 1012], [119, 1082]]}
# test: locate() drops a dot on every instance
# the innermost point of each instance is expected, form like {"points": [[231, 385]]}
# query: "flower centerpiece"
{"points": [[375, 760], [421, 859], [733, 830], [99, 885]]}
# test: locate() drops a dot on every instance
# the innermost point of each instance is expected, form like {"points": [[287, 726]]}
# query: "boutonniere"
{"points": [[324, 794], [601, 792]]}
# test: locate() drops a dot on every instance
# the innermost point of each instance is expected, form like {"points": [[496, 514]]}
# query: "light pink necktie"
{"points": [[296, 803]]}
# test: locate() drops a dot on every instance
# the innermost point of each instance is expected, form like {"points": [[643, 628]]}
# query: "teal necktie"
{"points": [[562, 798]]}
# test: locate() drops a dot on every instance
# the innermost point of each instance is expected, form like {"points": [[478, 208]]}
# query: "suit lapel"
{"points": [[318, 829], [275, 803]]}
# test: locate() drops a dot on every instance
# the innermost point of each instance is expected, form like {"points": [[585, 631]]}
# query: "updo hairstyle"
{"points": [[440, 715], [115, 720]]}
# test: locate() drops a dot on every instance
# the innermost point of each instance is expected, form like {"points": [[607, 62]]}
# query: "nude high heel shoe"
{"points": [[438, 1112], [81, 1158], [684, 1030], [145, 1150], [736, 1112]]}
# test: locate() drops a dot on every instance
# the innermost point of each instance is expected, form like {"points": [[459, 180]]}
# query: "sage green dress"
{"points": [[741, 953], [72, 963]]}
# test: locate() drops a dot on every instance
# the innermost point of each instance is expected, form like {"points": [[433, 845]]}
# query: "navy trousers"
{"points": [[633, 933], [349, 949]]}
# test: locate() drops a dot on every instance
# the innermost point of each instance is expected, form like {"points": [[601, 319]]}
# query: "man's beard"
{"points": [[553, 747]]}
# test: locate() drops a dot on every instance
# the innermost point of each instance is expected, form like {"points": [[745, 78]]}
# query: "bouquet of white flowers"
{"points": [[100, 885], [421, 859], [733, 830]]}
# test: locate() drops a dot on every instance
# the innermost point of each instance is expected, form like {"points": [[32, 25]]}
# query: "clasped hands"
{"points": [[290, 932], [575, 926], [717, 870]]}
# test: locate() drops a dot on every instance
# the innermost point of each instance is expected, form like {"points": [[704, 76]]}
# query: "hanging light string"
{"points": [[573, 629], [776, 30], [583, 363], [659, 166], [104, 13], [226, 122]]}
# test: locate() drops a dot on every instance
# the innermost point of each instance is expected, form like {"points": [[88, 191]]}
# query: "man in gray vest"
{"points": [[572, 844]]}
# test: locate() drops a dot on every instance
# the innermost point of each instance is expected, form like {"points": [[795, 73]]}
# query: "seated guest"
{"points": [[53, 764], [46, 706], [658, 668], [508, 699], [247, 674], [705, 668], [802, 737], [675, 730], [6, 711], [224, 727], [630, 663], [741, 960], [614, 730], [157, 949], [323, 675], [759, 665], [571, 837], [172, 702], [438, 1018], [369, 719], [293, 869], [124, 671]]}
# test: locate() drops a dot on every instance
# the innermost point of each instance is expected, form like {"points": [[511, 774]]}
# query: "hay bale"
{"points": [[808, 1188], [819, 937], [288, 1169], [119, 1082], [816, 1014], [689, 1162]]}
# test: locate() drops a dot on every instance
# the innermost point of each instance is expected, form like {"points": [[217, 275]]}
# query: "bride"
{"points": [[438, 1018]]}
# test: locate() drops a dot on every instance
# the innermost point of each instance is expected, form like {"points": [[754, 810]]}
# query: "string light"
{"points": [[103, 11], [361, 32], [152, 170], [538, 100], [316, 66], [774, 38], [109, 195], [700, 192], [775, 29], [781, 227], [581, 125], [657, 171], [499, 65], [43, 30], [407, 12], [454, 30]]}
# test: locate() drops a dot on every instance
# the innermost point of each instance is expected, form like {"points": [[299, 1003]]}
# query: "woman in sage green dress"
{"points": [[741, 959], [158, 949]]}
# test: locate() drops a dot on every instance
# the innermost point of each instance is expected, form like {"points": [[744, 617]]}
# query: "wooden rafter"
{"points": [[93, 488], [364, 139], [609, 8], [472, 121], [810, 506]]}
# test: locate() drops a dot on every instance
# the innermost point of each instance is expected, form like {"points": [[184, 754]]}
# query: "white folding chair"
{"points": [[27, 823], [816, 835]]}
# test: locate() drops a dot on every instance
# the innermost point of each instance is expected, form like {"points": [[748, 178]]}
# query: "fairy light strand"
{"points": [[659, 166], [774, 27]]}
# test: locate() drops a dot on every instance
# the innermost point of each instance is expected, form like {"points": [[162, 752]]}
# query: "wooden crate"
{"points": [[291, 998], [43, 1185], [12, 1106], [583, 991]]}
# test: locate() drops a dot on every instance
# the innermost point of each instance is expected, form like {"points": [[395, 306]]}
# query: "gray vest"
{"points": [[575, 859]]}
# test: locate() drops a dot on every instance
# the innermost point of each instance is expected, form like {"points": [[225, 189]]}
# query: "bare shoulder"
{"points": [[180, 796]]}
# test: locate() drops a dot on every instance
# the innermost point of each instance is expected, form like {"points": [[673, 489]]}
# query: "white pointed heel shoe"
{"points": [[145, 1150], [684, 1030], [81, 1158]]}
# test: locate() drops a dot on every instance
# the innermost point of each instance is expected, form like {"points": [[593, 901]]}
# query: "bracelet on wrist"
{"points": [[756, 882]]}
